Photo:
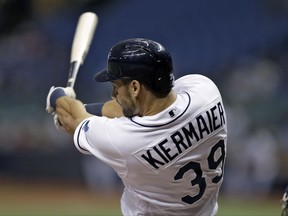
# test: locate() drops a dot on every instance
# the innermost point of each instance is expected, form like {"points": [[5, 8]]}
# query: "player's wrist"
{"points": [[54, 94]]}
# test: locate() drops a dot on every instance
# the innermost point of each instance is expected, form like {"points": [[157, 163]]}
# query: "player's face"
{"points": [[123, 97]]}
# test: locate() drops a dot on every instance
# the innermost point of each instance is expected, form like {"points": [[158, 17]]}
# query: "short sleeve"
{"points": [[94, 136]]}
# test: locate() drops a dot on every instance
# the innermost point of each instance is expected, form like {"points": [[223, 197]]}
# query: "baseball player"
{"points": [[165, 139]]}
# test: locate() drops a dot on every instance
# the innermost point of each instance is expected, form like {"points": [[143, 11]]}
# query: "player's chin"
{"points": [[128, 112]]}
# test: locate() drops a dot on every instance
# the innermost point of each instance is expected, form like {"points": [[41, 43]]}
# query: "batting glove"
{"points": [[57, 123], [54, 94]]}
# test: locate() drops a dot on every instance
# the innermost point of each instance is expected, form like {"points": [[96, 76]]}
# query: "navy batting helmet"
{"points": [[141, 59]]}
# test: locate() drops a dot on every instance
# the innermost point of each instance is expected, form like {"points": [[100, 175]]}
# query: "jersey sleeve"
{"points": [[94, 136], [78, 139]]}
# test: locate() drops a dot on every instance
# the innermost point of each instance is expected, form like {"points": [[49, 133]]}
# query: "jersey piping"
{"points": [[152, 126], [78, 135]]}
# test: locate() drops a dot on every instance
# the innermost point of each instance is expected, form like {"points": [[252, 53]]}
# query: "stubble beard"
{"points": [[128, 106]]}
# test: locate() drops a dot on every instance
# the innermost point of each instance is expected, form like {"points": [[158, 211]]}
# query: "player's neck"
{"points": [[152, 105]]}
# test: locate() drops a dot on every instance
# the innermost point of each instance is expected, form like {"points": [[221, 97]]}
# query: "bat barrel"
{"points": [[83, 36]]}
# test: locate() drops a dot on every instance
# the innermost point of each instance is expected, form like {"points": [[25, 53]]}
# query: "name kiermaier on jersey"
{"points": [[160, 154]]}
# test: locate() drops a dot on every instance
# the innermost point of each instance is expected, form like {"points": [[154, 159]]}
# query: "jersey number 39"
{"points": [[199, 179]]}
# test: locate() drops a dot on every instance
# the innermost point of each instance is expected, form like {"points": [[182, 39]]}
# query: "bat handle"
{"points": [[74, 68]]}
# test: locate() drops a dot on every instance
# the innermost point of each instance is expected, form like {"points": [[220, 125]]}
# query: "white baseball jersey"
{"points": [[171, 163]]}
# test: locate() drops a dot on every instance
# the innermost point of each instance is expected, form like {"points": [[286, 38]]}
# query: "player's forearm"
{"points": [[70, 113]]}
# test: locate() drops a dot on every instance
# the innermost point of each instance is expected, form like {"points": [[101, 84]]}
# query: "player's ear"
{"points": [[135, 88]]}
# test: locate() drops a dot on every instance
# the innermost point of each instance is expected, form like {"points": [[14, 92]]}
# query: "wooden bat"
{"points": [[83, 36]]}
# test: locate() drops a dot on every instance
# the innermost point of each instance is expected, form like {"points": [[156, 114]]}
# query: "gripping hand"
{"points": [[54, 94]]}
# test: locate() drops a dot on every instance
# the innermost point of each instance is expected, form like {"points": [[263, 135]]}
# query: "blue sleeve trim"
{"points": [[78, 137], [94, 108]]}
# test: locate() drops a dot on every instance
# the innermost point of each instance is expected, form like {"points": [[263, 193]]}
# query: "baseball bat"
{"points": [[84, 32]]}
